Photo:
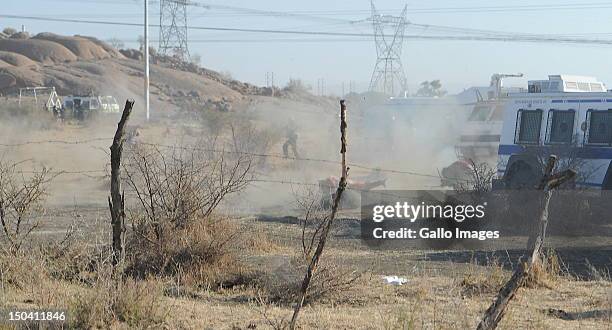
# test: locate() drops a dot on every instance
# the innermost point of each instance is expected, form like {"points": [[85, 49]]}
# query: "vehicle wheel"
{"points": [[521, 176]]}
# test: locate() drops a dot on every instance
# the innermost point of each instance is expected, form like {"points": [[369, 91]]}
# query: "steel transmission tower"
{"points": [[388, 76], [173, 28]]}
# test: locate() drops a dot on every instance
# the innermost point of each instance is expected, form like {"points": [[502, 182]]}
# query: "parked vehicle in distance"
{"points": [[85, 106]]}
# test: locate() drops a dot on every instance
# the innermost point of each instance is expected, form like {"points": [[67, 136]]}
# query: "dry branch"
{"points": [[116, 201], [312, 267], [496, 311], [20, 199]]}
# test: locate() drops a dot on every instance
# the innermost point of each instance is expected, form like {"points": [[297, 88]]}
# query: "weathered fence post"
{"points": [[496, 311], [312, 266], [116, 201]]}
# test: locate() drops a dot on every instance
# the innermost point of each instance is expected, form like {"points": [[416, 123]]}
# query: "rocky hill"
{"points": [[82, 65]]}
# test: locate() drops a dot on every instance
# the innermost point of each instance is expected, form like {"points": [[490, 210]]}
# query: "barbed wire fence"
{"points": [[213, 150]]}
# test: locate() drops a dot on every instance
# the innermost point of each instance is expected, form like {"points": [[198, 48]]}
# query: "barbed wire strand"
{"points": [[262, 155]]}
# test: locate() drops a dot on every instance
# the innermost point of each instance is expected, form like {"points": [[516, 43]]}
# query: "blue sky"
{"points": [[459, 64]]}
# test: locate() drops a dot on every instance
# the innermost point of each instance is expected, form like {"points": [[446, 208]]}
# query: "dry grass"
{"points": [[239, 289], [259, 241], [43, 279], [202, 254], [330, 284], [138, 304], [429, 300], [483, 280], [545, 273]]}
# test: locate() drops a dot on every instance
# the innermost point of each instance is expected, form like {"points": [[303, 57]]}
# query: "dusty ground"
{"points": [[445, 290]]}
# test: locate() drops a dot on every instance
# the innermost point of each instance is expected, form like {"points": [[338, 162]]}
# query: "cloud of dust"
{"points": [[413, 135]]}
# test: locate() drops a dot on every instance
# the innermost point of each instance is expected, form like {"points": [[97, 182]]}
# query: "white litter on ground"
{"points": [[394, 280]]}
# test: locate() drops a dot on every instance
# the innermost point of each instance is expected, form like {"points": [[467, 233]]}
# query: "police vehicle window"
{"points": [[535, 88], [530, 122], [584, 87], [600, 128], [571, 85], [554, 85], [561, 126]]}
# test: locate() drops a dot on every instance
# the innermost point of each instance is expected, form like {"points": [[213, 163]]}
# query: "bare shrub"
{"points": [[48, 272], [139, 304], [247, 139], [46, 276], [176, 189], [479, 178], [21, 271], [175, 186], [330, 282], [74, 258], [21, 203], [199, 254]]}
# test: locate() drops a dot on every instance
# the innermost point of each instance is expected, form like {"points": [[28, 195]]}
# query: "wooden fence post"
{"points": [[323, 238], [496, 311], [116, 201]]}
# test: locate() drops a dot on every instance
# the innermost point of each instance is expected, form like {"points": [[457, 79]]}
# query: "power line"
{"points": [[323, 40], [326, 33], [309, 14], [258, 12], [240, 11], [304, 15], [506, 37]]}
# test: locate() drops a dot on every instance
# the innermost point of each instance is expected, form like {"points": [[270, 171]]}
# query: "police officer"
{"points": [[292, 137]]}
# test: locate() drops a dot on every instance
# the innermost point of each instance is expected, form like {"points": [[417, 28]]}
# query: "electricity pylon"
{"points": [[173, 28], [388, 76]]}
